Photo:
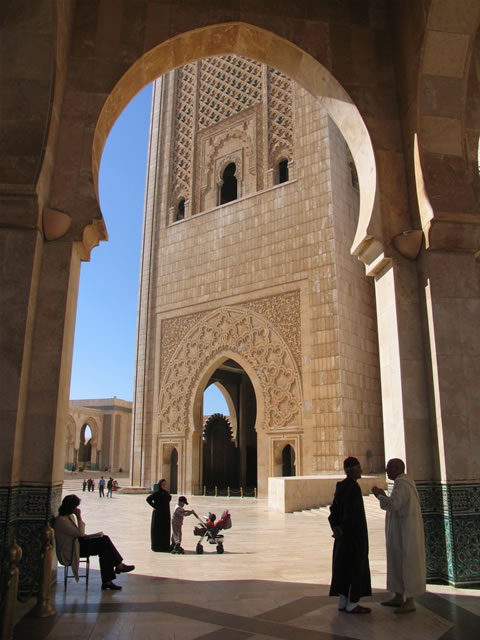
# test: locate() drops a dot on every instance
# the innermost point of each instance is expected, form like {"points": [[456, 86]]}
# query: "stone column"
{"points": [[450, 284], [38, 285], [402, 367], [20, 256], [45, 410]]}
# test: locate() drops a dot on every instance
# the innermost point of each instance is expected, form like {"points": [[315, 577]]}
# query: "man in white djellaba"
{"points": [[406, 571]]}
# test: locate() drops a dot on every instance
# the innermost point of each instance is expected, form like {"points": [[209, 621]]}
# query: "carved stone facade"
{"points": [[243, 335], [261, 286], [227, 109]]}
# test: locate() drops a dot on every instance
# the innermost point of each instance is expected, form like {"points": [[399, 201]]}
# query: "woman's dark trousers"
{"points": [[107, 553]]}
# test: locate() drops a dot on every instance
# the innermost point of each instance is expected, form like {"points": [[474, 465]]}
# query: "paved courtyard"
{"points": [[271, 582]]}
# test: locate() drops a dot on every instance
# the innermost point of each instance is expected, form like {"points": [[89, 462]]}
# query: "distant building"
{"points": [[99, 434]]}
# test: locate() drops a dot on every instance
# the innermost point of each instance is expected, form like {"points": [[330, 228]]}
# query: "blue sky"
{"points": [[105, 333]]}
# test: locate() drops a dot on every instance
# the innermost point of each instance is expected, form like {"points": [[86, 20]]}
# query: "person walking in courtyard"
{"points": [[110, 488], [72, 543], [84, 485], [406, 567], [101, 487], [350, 567], [177, 523], [160, 527]]}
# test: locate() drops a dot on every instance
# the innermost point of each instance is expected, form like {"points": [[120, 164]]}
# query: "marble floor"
{"points": [[271, 582]]}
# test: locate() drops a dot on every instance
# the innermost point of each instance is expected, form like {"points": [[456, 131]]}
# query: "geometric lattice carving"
{"points": [[233, 330], [184, 112], [213, 91], [280, 115], [228, 85], [282, 311]]}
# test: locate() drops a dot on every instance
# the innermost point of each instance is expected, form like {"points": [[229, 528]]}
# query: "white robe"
{"points": [[406, 570]]}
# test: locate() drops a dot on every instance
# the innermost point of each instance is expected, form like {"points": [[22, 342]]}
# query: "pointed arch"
{"points": [[252, 41], [249, 339]]}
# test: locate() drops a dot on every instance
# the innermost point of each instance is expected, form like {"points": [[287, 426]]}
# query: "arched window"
{"points": [[228, 190], [180, 215], [282, 171]]}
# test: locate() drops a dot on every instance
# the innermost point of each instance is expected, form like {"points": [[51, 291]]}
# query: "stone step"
{"points": [[372, 509]]}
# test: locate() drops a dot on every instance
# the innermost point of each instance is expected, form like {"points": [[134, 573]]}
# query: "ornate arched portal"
{"points": [[257, 346]]}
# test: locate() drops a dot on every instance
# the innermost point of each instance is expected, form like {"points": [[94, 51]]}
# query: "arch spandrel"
{"points": [[256, 345]]}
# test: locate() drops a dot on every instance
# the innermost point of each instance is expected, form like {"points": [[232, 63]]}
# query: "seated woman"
{"points": [[72, 543]]}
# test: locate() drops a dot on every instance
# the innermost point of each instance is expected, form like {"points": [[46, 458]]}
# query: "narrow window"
{"points": [[180, 210], [228, 191], [282, 175]]}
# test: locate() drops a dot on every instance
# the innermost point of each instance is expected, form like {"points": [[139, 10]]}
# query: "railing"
{"points": [[229, 492]]}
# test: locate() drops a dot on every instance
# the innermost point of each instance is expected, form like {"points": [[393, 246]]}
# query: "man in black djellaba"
{"points": [[350, 568], [161, 519]]}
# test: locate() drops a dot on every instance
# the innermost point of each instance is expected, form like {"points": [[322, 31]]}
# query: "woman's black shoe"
{"points": [[110, 585]]}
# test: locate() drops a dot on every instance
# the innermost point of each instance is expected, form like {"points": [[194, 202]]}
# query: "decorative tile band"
{"points": [[451, 514], [24, 511]]}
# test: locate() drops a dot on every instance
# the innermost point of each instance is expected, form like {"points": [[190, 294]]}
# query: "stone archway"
{"points": [[271, 49], [85, 74], [246, 337], [256, 345], [85, 448]]}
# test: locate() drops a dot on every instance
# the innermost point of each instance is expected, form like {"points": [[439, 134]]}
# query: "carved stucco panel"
{"points": [[232, 330]]}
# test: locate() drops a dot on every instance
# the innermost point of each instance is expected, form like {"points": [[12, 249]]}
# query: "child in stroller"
{"points": [[210, 530]]}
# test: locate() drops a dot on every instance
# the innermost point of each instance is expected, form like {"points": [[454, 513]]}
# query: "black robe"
{"points": [[160, 528], [350, 568]]}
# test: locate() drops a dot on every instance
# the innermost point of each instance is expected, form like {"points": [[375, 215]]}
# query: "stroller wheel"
{"points": [[219, 548], [199, 548]]}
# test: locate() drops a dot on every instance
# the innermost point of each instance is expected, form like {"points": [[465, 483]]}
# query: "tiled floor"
{"points": [[271, 582]]}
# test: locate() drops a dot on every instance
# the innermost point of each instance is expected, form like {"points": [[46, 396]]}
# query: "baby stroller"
{"points": [[210, 530]]}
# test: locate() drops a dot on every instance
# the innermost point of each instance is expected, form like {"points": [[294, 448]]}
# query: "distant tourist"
{"points": [[160, 527], [101, 487], [350, 568], [406, 571], [110, 488], [84, 485]]}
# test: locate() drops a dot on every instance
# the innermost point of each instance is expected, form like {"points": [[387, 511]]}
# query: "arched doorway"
{"points": [[173, 485], [288, 461], [220, 455], [85, 449], [233, 438]]}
